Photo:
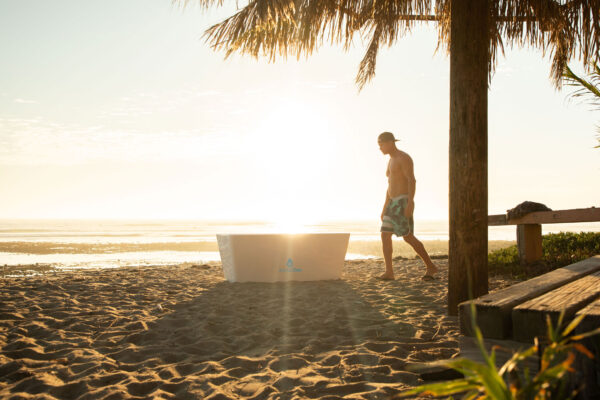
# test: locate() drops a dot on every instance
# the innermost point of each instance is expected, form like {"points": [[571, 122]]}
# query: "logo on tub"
{"points": [[289, 267]]}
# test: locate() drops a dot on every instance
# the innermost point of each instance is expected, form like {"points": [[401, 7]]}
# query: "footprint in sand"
{"points": [[287, 363]]}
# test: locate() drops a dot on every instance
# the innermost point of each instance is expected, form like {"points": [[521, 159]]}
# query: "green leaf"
{"points": [[552, 333], [519, 356], [573, 325], [488, 376], [585, 335]]}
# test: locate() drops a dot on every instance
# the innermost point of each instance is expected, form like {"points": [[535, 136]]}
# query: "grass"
{"points": [[558, 250]]}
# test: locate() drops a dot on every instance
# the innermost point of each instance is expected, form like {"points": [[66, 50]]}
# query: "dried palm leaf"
{"points": [[562, 29]]}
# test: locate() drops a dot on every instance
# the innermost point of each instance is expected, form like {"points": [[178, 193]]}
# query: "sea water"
{"points": [[116, 243]]}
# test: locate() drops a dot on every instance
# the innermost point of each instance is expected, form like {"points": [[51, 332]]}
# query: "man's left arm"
{"points": [[409, 174]]}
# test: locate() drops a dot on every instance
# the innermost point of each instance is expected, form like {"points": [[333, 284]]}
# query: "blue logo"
{"points": [[289, 267]]}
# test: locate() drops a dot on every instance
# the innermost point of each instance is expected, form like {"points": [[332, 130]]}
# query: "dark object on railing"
{"points": [[524, 208]]}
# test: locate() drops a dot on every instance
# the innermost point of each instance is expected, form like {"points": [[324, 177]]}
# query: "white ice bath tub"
{"points": [[282, 257]]}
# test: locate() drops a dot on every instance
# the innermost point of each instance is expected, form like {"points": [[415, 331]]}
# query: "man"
{"points": [[397, 214]]}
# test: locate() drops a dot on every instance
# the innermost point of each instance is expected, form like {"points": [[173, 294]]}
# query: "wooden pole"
{"points": [[529, 243], [469, 60]]}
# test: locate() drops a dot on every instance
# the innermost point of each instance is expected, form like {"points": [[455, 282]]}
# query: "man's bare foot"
{"points": [[431, 270], [386, 277]]}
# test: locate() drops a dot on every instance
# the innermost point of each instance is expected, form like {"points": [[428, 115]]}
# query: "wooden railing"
{"points": [[529, 227]]}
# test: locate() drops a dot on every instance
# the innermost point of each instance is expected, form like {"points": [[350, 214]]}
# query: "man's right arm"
{"points": [[387, 200]]}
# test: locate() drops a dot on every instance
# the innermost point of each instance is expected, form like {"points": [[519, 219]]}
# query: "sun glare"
{"points": [[291, 226], [295, 147]]}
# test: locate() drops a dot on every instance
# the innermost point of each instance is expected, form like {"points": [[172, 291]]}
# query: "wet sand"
{"points": [[365, 247], [184, 332]]}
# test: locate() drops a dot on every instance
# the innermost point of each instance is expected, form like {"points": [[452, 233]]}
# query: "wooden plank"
{"points": [[588, 370], [529, 318], [529, 243], [432, 371], [497, 220], [550, 217], [504, 350], [494, 310], [591, 214], [592, 315]]}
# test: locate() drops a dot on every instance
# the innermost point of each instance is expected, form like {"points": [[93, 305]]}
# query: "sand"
{"points": [[184, 332]]}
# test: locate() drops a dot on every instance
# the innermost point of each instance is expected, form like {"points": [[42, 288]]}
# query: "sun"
{"points": [[295, 147], [292, 225]]}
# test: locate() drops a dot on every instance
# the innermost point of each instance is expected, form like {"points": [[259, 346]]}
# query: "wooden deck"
{"points": [[495, 310], [512, 317]]}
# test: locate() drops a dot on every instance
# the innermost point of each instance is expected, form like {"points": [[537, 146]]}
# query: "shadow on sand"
{"points": [[325, 339]]}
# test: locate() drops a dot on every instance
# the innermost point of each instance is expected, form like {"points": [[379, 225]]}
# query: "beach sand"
{"points": [[184, 332]]}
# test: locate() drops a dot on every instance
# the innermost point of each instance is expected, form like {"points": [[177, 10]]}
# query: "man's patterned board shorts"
{"points": [[393, 218]]}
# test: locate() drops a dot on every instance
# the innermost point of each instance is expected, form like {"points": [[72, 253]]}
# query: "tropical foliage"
{"points": [[563, 29], [513, 380], [587, 89], [558, 250]]}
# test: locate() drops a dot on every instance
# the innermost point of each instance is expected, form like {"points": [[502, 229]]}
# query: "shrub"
{"points": [[558, 250]]}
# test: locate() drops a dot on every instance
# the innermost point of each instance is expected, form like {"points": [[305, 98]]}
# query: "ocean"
{"points": [[116, 243]]}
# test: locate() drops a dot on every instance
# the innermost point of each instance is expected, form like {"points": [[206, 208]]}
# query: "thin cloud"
{"points": [[326, 85], [37, 142], [208, 93], [24, 101]]}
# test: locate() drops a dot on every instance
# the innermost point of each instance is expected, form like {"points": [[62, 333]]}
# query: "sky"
{"points": [[112, 109]]}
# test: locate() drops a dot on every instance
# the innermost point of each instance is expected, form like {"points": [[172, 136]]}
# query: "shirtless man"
{"points": [[397, 214]]}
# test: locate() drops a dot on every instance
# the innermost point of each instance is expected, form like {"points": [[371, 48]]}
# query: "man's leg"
{"points": [[420, 249], [386, 241]]}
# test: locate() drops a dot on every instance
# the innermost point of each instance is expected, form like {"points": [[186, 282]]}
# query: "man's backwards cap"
{"points": [[387, 137]]}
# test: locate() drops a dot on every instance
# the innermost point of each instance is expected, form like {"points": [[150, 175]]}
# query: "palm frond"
{"points": [[562, 29], [366, 70], [201, 3], [586, 89]]}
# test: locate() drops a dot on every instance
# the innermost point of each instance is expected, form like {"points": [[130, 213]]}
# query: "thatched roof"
{"points": [[563, 29]]}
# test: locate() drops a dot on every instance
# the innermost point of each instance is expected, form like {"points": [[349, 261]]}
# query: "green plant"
{"points": [[558, 250], [569, 246], [588, 88], [505, 261], [511, 382]]}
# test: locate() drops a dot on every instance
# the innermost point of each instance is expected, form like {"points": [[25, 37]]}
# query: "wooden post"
{"points": [[469, 61], [529, 242]]}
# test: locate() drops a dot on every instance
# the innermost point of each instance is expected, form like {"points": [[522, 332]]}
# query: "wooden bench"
{"points": [[512, 317], [529, 227]]}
